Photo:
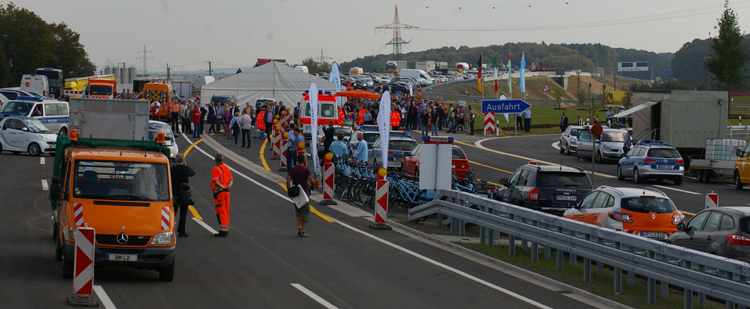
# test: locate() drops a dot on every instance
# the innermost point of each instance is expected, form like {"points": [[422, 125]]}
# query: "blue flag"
{"points": [[522, 80]]}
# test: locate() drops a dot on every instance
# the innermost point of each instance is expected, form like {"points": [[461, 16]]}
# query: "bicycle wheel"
{"points": [[460, 129]]}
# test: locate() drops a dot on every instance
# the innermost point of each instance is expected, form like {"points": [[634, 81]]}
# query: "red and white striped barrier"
{"points": [[489, 123], [328, 172], [276, 140], [284, 154], [83, 270], [72, 93], [381, 201], [712, 200]]}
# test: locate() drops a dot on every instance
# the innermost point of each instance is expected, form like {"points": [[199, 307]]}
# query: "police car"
{"points": [[651, 160], [53, 114]]}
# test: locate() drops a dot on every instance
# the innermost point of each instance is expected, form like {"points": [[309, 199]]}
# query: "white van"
{"points": [[414, 73], [35, 83]]}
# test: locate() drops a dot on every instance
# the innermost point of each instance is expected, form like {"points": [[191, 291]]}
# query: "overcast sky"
{"points": [[234, 33]]}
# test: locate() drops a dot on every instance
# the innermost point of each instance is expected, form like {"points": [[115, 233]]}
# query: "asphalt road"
{"points": [[262, 263]]}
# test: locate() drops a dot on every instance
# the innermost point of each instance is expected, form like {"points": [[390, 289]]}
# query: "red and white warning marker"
{"points": [[78, 213], [381, 201], [712, 200], [83, 280], [166, 215]]}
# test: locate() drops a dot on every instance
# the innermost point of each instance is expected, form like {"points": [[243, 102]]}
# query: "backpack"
{"points": [[236, 125]]}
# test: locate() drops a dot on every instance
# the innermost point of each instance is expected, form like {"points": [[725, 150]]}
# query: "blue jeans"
{"points": [[196, 129], [434, 129], [236, 134], [424, 129]]}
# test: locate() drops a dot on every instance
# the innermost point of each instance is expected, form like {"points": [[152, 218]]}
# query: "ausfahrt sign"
{"points": [[504, 106]]}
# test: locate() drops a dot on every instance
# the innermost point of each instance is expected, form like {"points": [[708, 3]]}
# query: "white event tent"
{"points": [[271, 80]]}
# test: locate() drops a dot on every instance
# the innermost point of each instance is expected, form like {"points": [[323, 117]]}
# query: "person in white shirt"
{"points": [[246, 123]]}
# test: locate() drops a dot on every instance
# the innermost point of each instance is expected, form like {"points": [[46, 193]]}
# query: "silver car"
{"points": [[568, 139], [724, 231], [609, 146]]}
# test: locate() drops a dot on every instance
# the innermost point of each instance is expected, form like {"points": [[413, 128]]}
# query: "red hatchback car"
{"points": [[410, 164]]}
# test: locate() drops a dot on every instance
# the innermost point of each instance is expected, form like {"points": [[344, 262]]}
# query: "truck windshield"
{"points": [[119, 180], [20, 108], [100, 90]]}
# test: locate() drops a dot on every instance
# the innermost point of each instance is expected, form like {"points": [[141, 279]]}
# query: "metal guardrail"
{"points": [[738, 131], [705, 274]]}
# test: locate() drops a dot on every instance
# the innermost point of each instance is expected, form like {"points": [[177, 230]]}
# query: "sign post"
{"points": [[596, 131], [505, 106]]}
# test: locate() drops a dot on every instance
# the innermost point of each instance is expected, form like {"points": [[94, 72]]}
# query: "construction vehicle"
{"points": [[101, 88], [542, 67], [76, 87], [108, 176]]}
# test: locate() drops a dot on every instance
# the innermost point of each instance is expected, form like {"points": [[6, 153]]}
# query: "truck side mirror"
{"points": [[54, 191], [738, 153]]}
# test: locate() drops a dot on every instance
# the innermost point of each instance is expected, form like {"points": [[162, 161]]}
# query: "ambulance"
{"points": [[327, 111]]}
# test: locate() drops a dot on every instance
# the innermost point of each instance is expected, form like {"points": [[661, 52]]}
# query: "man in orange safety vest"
{"points": [[395, 119], [221, 184]]}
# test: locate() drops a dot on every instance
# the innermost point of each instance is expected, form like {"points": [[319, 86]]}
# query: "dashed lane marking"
{"points": [[42, 160], [45, 186], [103, 297], [314, 296], [195, 212]]}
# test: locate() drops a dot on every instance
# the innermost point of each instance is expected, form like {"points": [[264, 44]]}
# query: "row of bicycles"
{"points": [[356, 181]]}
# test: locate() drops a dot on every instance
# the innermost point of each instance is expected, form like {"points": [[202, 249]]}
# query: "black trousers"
{"points": [[245, 134], [527, 125], [182, 207]]}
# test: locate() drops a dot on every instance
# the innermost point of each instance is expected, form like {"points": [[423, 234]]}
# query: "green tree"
{"points": [[558, 94], [727, 63], [627, 100], [26, 40], [71, 57], [581, 95]]}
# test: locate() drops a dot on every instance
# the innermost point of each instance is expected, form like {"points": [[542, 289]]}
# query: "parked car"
{"points": [[651, 160], [551, 189], [393, 87], [154, 127], [724, 231], [14, 94], [371, 135], [460, 164], [398, 148], [26, 134], [348, 134], [609, 146], [568, 139], [644, 212]]}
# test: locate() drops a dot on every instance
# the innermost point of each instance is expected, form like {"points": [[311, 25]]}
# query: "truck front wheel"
{"points": [[167, 273], [67, 266], [737, 181]]}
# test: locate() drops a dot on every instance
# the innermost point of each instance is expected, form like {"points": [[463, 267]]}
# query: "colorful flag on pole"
{"points": [[494, 64], [479, 76], [510, 89], [522, 81]]}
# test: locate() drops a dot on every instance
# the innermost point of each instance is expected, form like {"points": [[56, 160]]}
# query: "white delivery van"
{"points": [[414, 73], [35, 83]]}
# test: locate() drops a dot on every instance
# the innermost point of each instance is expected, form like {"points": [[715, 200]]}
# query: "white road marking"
{"points": [[556, 145], [45, 186], [41, 160], [106, 302], [414, 254], [446, 267], [314, 296], [678, 190], [479, 144], [206, 226]]}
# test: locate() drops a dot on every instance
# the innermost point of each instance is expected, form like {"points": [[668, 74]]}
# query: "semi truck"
{"points": [[109, 176]]}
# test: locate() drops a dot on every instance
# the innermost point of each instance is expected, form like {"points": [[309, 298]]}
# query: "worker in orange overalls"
{"points": [[261, 125], [221, 184], [395, 119]]}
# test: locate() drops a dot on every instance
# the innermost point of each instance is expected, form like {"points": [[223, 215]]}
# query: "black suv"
{"points": [[551, 189]]}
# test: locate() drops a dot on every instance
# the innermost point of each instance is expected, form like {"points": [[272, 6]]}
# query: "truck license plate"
{"points": [[656, 235], [122, 257], [566, 198]]}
